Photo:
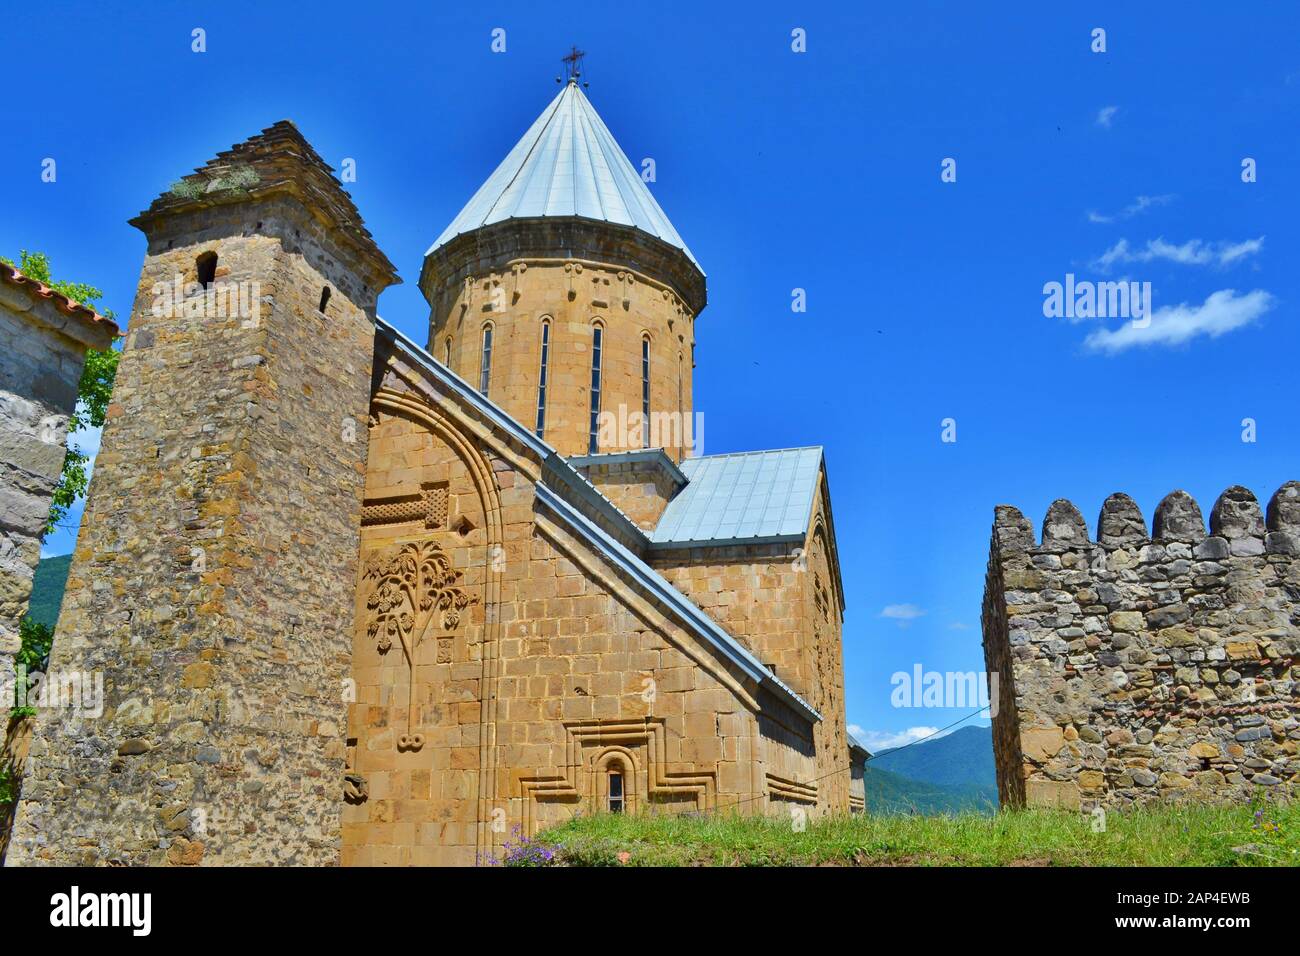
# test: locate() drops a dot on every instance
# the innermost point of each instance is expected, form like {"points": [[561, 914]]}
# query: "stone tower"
{"points": [[213, 581], [562, 254]]}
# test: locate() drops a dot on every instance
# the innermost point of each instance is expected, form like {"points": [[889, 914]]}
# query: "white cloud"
{"points": [[958, 626], [904, 614], [1230, 254], [1221, 313], [1193, 252], [1138, 206], [878, 740], [1106, 115]]}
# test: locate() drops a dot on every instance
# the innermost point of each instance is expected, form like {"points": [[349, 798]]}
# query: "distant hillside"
{"points": [[891, 793], [47, 589], [963, 758]]}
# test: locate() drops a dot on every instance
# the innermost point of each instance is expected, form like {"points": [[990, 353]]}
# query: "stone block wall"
{"points": [[1135, 668], [638, 485], [43, 344], [553, 672], [515, 276], [213, 579], [782, 602]]}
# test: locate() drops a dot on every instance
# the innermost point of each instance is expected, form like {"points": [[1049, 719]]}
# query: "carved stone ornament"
{"points": [[355, 788], [412, 587]]}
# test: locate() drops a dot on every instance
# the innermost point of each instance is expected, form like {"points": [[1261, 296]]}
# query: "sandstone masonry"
{"points": [[354, 601]]}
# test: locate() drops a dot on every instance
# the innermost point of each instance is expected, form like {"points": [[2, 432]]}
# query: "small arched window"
{"points": [[541, 377], [593, 430], [446, 352], [485, 361], [645, 391], [616, 798], [206, 267], [324, 298]]}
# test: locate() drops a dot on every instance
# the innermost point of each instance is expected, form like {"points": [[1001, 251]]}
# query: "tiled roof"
{"points": [[658, 586], [567, 164], [741, 497], [65, 305]]}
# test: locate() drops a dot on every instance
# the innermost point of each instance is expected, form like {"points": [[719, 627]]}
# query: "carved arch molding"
{"points": [[416, 578], [594, 746]]}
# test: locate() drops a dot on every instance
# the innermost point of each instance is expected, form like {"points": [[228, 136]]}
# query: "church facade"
{"points": [[365, 602]]}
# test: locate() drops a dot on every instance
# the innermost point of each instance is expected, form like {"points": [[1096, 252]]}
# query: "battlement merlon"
{"points": [[1236, 518], [1139, 667]]}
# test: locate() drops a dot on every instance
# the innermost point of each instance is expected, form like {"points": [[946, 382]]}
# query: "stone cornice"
{"points": [[602, 245]]}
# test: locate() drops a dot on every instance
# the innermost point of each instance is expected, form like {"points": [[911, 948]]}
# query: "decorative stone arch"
{"points": [[615, 759], [480, 470]]}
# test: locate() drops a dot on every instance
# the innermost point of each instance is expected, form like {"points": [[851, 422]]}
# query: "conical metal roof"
{"points": [[567, 164]]}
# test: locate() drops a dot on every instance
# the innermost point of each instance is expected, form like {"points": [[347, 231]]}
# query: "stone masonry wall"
{"points": [[43, 343], [213, 576], [516, 292], [781, 602], [638, 489], [42, 351], [552, 671], [1138, 668]]}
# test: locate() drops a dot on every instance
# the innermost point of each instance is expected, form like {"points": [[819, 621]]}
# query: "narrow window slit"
{"points": [[206, 267]]}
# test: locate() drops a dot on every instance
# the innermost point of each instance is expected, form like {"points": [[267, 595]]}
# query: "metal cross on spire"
{"points": [[573, 64]]}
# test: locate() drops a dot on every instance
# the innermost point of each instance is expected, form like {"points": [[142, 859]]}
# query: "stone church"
{"points": [[360, 601]]}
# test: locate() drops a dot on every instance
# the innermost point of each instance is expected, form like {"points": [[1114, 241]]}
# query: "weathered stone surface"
{"points": [[44, 338], [1180, 668], [1178, 518], [1041, 743], [1236, 514], [1063, 527], [1284, 508], [215, 571], [1121, 524], [1052, 793]]}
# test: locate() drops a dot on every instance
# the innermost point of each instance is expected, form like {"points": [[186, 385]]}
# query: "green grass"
{"points": [[1163, 836]]}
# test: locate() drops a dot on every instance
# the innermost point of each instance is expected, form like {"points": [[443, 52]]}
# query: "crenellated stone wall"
{"points": [[1136, 668]]}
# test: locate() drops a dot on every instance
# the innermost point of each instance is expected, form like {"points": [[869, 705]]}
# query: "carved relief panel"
{"points": [[413, 596]]}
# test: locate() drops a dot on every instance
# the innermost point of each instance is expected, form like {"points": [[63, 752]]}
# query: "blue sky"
{"points": [[783, 170]]}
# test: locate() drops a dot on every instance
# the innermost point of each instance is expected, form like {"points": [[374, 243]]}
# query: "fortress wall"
{"points": [[1136, 667]]}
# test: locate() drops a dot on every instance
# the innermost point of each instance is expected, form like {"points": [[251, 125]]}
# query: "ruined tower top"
{"points": [[274, 165]]}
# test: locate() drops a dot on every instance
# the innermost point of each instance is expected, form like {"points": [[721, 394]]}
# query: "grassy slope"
{"points": [[1171, 836]]}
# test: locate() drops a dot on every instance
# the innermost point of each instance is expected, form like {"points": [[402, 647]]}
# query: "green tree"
{"points": [[93, 392]]}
